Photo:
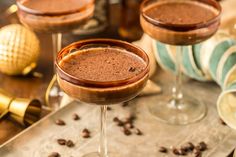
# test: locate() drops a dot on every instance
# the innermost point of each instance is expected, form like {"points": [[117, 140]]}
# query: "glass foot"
{"points": [[188, 110], [53, 95], [96, 154]]}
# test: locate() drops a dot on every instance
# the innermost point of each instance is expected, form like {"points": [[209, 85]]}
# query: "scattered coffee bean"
{"points": [[187, 147], [176, 151], [202, 146], [131, 118], [191, 146], [222, 122], [125, 104], [196, 150], [182, 152], [198, 154], [163, 150], [109, 108], [85, 133], [70, 143], [76, 116], [127, 132], [54, 154], [138, 132], [132, 69], [61, 141], [120, 123], [116, 119], [60, 122]]}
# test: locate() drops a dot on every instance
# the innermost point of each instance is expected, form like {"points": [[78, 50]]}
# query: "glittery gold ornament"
{"points": [[19, 50]]}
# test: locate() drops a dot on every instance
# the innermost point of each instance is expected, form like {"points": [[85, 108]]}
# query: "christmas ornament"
{"points": [[19, 50]]}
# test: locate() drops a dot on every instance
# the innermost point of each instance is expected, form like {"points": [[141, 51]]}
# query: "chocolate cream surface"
{"points": [[182, 22], [55, 6], [103, 64], [182, 12]]}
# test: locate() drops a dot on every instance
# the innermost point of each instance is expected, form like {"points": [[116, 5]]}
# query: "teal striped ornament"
{"points": [[219, 50], [226, 63], [164, 56], [201, 54], [230, 77], [191, 68]]}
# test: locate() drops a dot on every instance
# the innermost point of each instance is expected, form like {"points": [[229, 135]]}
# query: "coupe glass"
{"points": [[102, 93], [178, 108], [55, 19]]}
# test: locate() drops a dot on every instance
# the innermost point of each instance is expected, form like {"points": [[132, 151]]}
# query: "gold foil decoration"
{"points": [[19, 50], [24, 111]]}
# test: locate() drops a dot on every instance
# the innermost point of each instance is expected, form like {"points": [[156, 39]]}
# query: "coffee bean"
{"points": [[176, 151], [85, 133], [187, 147], [60, 122], [116, 119], [130, 119], [125, 104], [61, 141], [191, 145], [163, 150], [70, 143], [196, 150], [127, 132], [202, 146], [222, 122], [76, 116], [120, 123], [198, 154], [182, 152], [109, 108], [138, 132], [132, 69], [54, 154]]}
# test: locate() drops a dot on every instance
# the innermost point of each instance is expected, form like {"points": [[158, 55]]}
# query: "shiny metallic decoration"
{"points": [[23, 111], [19, 50]]}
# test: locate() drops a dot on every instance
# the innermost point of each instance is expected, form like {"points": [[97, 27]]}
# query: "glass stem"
{"points": [[177, 90], [56, 41], [103, 134]]}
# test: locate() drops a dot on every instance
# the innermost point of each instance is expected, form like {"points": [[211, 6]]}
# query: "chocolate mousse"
{"points": [[103, 65], [54, 15], [180, 22], [104, 75]]}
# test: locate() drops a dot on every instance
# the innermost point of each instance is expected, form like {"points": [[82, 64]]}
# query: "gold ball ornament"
{"points": [[19, 50]]}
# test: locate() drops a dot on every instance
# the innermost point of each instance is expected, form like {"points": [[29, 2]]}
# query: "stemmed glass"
{"points": [[55, 17], [101, 93], [178, 108]]}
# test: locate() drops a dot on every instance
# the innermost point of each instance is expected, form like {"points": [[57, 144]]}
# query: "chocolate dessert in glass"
{"points": [[56, 17], [179, 23], [102, 72]]}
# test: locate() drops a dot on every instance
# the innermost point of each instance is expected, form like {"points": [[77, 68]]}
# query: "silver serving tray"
{"points": [[40, 139]]}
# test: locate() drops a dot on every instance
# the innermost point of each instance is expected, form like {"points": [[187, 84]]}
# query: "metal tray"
{"points": [[40, 139]]}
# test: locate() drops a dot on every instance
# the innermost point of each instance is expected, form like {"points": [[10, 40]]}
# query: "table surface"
{"points": [[31, 87]]}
